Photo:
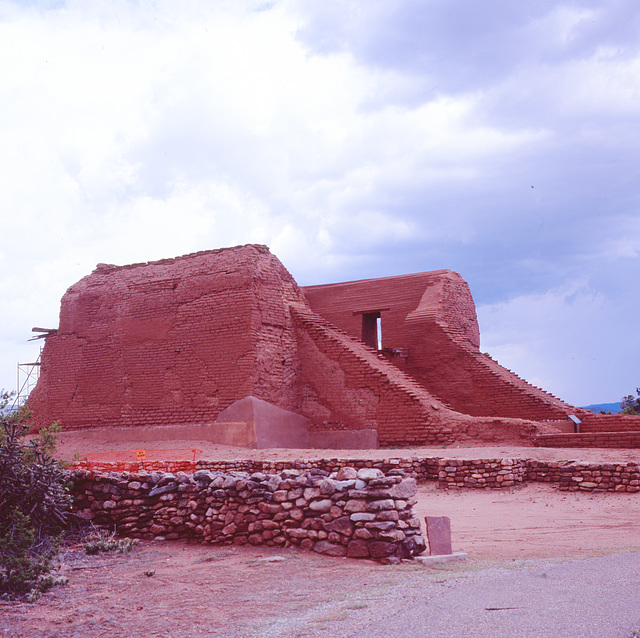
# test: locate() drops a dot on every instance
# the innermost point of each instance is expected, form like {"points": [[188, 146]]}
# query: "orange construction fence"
{"points": [[168, 460]]}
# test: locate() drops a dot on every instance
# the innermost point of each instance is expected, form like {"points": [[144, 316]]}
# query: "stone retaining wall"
{"points": [[356, 513]]}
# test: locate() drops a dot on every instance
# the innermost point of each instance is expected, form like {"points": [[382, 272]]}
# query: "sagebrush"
{"points": [[34, 502]]}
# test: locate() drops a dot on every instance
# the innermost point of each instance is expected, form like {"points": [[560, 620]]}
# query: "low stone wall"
{"points": [[422, 469], [493, 473], [587, 477], [485, 473], [356, 513]]}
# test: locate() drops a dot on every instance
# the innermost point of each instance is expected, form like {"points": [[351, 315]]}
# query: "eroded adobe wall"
{"points": [[348, 386], [451, 366], [169, 342], [432, 317], [343, 304]]}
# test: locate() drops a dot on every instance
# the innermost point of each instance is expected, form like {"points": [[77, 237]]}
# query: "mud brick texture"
{"points": [[176, 341]]}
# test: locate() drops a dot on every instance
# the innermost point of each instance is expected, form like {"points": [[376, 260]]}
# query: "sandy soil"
{"points": [[72, 443], [247, 591]]}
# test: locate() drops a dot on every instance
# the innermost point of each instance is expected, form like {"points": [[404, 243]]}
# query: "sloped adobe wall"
{"points": [[352, 385], [430, 331], [450, 364]]}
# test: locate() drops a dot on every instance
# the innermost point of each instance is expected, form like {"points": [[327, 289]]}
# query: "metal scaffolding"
{"points": [[28, 374]]}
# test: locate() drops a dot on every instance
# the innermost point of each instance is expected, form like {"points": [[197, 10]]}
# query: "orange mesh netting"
{"points": [[168, 460]]}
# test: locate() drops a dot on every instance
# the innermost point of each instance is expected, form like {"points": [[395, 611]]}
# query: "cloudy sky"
{"points": [[357, 139]]}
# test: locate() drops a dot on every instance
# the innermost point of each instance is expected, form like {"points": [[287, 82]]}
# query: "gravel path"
{"points": [[592, 598]]}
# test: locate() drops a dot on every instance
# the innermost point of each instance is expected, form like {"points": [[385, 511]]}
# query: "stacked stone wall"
{"points": [[356, 513], [495, 473], [587, 477], [482, 473]]}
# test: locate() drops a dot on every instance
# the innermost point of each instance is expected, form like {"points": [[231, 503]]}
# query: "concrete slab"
{"points": [[437, 559]]}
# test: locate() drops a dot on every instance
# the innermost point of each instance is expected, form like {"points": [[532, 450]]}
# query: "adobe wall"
{"points": [[360, 390], [589, 440], [609, 422], [170, 342], [430, 319], [343, 305], [177, 341]]}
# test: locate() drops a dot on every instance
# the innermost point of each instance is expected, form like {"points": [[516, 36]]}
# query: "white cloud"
{"points": [[566, 341], [355, 139]]}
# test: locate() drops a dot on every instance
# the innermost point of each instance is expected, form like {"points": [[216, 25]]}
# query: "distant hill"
{"points": [[603, 407]]}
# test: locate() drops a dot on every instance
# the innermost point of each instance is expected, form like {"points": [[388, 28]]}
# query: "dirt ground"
{"points": [[244, 592]]}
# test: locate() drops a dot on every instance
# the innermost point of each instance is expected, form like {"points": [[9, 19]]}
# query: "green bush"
{"points": [[25, 558], [34, 501]]}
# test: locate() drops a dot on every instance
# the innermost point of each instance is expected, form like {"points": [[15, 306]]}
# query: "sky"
{"points": [[357, 139]]}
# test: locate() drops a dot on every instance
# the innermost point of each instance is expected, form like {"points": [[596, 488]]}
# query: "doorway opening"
{"points": [[372, 330]]}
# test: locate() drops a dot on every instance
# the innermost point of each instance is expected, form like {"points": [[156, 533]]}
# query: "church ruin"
{"points": [[226, 341]]}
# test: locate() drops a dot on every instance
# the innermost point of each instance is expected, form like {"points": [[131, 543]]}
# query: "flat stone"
{"points": [[388, 515], [330, 549], [384, 504], [393, 535], [203, 475], [381, 549], [412, 545], [163, 489], [273, 482], [358, 549], [327, 487], [380, 525], [346, 474], [322, 505], [355, 505], [368, 473], [407, 488], [341, 525], [434, 559], [363, 516], [343, 486]]}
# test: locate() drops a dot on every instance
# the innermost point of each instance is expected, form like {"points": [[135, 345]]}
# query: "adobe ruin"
{"points": [[225, 340]]}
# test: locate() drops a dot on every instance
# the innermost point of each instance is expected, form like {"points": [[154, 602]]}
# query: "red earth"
{"points": [[196, 590]]}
